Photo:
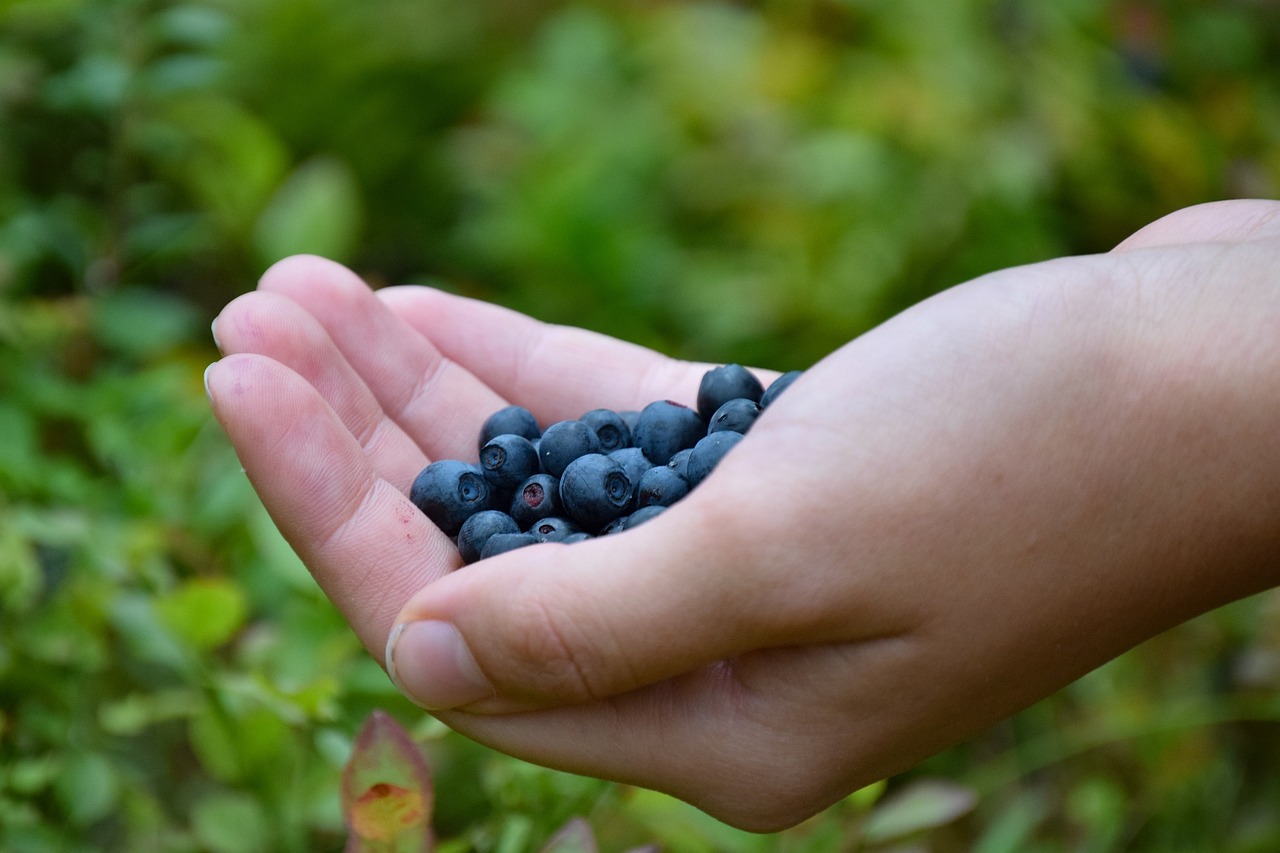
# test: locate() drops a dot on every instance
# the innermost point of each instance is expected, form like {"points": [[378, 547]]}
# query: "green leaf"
{"points": [[231, 823], [142, 322], [88, 788], [576, 836], [922, 805], [317, 210], [206, 612]]}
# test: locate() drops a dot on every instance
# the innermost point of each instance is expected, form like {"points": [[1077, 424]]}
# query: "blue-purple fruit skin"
{"points": [[660, 486], [508, 460], [563, 442], [643, 514], [707, 454], [513, 420], [536, 498], [736, 415], [477, 529], [680, 462], [633, 461], [553, 529], [614, 432], [779, 385], [594, 491], [501, 543], [665, 428], [728, 382], [449, 492]]}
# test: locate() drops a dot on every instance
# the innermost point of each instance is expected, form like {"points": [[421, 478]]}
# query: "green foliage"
{"points": [[734, 182]]}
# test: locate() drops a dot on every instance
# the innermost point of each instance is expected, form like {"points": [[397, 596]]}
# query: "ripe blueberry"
{"points": [[660, 486], [500, 543], [594, 491], [611, 429], [665, 428], [553, 529], [779, 385], [508, 460], [721, 384], [708, 452], [564, 442], [736, 415], [537, 497], [513, 420], [449, 492], [477, 529]]}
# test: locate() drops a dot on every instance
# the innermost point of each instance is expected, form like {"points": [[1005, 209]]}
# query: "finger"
{"points": [[437, 403], [762, 742], [558, 372], [1212, 222], [714, 577], [275, 326], [368, 547]]}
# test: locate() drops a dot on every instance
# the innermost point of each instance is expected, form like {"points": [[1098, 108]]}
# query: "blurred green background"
{"points": [[752, 182]]}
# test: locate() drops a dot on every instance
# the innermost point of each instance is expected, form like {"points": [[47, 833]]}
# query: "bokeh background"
{"points": [[754, 182]]}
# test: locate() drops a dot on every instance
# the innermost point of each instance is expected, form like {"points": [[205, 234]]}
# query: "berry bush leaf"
{"points": [[926, 804], [576, 836], [387, 798]]}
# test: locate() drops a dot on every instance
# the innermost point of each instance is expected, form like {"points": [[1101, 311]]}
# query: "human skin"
{"points": [[949, 518]]}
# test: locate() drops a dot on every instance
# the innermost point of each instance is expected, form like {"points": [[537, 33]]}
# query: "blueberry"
{"points": [[513, 420], [594, 491], [508, 460], [642, 515], [580, 536], [660, 486], [537, 497], [630, 417], [477, 529], [450, 492], [616, 526], [611, 429], [564, 442], [722, 384], [736, 415], [553, 529], [665, 428], [680, 463], [779, 385], [501, 543], [708, 452], [633, 461]]}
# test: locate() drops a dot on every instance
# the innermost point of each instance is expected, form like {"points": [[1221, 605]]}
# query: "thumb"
{"points": [[558, 624]]}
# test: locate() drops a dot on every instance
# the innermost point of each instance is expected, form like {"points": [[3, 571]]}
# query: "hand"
{"points": [[947, 519]]}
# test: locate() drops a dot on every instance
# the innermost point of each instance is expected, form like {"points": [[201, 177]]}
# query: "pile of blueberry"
{"points": [[599, 474]]}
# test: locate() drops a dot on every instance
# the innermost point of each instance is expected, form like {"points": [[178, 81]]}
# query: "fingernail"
{"points": [[431, 664], [213, 330], [207, 371]]}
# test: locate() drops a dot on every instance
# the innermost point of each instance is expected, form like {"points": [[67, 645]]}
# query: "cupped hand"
{"points": [[942, 522]]}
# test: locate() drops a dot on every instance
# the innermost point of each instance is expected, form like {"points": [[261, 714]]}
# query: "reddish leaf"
{"points": [[576, 836], [387, 797]]}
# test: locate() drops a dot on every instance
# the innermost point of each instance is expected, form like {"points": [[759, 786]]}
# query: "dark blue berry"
{"points": [[594, 491], [708, 452], [680, 462], [449, 492], [633, 461], [564, 442], [537, 497], [580, 536], [642, 515], [665, 428], [779, 385], [508, 460], [553, 529], [736, 415], [660, 486], [721, 384], [501, 543], [611, 429], [513, 420], [477, 529]]}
